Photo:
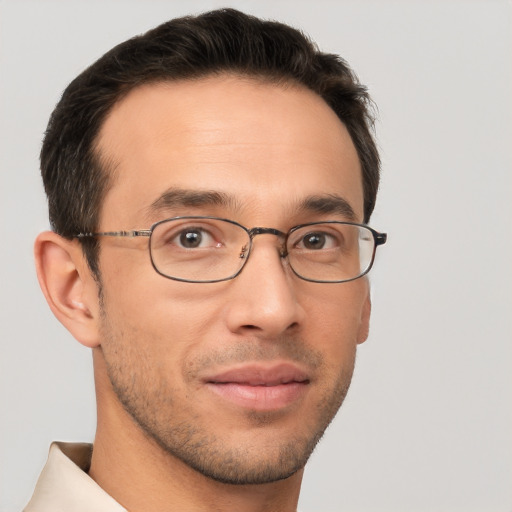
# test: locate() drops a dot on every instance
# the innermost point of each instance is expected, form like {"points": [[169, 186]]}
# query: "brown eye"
{"points": [[191, 239], [314, 241]]}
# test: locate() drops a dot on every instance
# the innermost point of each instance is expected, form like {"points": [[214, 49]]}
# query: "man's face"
{"points": [[238, 379]]}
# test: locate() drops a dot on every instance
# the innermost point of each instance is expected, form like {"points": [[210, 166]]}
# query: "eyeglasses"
{"points": [[210, 249]]}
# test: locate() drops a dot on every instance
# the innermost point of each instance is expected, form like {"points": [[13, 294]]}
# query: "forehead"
{"points": [[255, 141]]}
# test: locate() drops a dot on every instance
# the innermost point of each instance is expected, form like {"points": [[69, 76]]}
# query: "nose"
{"points": [[263, 301]]}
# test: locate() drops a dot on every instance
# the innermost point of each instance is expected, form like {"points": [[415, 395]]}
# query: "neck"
{"points": [[143, 477]]}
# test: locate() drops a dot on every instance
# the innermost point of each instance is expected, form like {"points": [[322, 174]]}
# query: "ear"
{"points": [[364, 328], [68, 286]]}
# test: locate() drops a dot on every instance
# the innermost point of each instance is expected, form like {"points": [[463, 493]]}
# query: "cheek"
{"points": [[163, 319], [337, 316]]}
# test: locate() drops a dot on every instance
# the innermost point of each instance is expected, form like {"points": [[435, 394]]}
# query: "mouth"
{"points": [[260, 387]]}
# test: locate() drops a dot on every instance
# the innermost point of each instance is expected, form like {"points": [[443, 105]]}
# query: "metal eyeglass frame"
{"points": [[379, 239]]}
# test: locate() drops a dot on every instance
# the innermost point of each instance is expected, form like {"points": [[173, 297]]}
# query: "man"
{"points": [[209, 185]]}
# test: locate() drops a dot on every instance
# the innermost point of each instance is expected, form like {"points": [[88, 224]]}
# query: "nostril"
{"points": [[251, 327]]}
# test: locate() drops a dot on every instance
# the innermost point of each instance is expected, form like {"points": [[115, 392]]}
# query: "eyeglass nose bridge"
{"points": [[266, 231]]}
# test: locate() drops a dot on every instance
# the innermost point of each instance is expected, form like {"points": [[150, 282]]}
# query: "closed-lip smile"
{"points": [[263, 387]]}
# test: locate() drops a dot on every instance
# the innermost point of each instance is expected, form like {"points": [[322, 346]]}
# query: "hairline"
{"points": [[107, 165]]}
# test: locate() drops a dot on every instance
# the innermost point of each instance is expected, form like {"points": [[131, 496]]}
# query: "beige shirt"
{"points": [[65, 486]]}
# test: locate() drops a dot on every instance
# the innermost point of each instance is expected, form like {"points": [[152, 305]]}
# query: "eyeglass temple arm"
{"points": [[380, 238], [139, 232]]}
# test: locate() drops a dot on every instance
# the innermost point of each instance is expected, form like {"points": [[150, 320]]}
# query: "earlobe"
{"points": [[364, 329], [68, 286]]}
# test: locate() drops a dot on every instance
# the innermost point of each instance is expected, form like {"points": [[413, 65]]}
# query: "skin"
{"points": [[165, 441]]}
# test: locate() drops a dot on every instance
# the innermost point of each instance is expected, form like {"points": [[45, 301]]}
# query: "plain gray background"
{"points": [[427, 425]]}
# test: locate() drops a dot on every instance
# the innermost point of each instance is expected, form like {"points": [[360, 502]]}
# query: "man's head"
{"points": [[229, 117]]}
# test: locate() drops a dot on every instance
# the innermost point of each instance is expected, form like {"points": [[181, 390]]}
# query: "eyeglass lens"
{"points": [[203, 250]]}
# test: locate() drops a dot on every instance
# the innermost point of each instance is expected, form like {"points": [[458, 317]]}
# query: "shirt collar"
{"points": [[64, 484]]}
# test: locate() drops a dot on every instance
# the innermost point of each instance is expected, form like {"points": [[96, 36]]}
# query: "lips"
{"points": [[260, 387]]}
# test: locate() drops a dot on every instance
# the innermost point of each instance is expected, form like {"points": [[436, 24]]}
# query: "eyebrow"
{"points": [[186, 198], [328, 204]]}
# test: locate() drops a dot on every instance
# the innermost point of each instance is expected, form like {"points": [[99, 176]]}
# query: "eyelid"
{"points": [[297, 237], [173, 232]]}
